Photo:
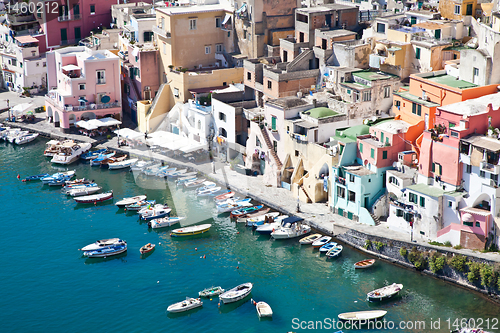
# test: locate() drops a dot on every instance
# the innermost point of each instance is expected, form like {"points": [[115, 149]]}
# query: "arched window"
{"points": [[199, 124]]}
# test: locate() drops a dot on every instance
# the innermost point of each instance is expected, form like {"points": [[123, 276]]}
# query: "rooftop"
{"points": [[401, 175], [429, 25], [474, 106], [319, 113], [373, 76], [324, 8], [431, 190], [287, 102], [393, 126], [412, 98], [450, 81], [358, 170], [193, 9], [350, 134], [338, 33], [484, 142]]}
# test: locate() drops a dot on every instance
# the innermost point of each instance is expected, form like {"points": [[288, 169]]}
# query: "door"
{"points": [[76, 11], [328, 20], [413, 20], [367, 202], [273, 123], [78, 33], [301, 37], [469, 9], [323, 43], [64, 35], [285, 56], [437, 33]]}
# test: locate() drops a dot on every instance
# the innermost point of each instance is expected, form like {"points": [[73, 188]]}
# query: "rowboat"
{"points": [[321, 241], [95, 198], [209, 191], [101, 157], [210, 292], [178, 173], [206, 186], [23, 139], [164, 172], [246, 210], [81, 191], [384, 293], [151, 207], [77, 183], [59, 181], [335, 251], [327, 247], [362, 315], [122, 165], [194, 183], [364, 263], [237, 293], [147, 248], [263, 309], [130, 200], [164, 222], [231, 205], [115, 159], [92, 154], [224, 196], [188, 304], [140, 205], [260, 212], [140, 165], [153, 170], [309, 239], [259, 220], [35, 177], [189, 231]]}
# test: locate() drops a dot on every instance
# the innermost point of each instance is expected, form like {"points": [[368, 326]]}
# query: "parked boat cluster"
{"points": [[16, 135]]}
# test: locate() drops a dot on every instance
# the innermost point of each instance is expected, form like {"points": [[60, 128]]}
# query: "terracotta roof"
{"points": [[26, 39], [429, 25]]}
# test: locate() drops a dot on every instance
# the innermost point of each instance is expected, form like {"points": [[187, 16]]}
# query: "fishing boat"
{"points": [[178, 173], [106, 252], [206, 186], [140, 205], [363, 316], [23, 139], [327, 247], [131, 200], [188, 304], [115, 159], [123, 164], [335, 251], [233, 205], [147, 248], [321, 241], [164, 222], [224, 196], [186, 179], [58, 175], [237, 293], [78, 192], [291, 228], [384, 293], [268, 228], [263, 309], [154, 169], [259, 220], [189, 231], [103, 243], [93, 154], [150, 207], [164, 172], [310, 239], [208, 192], [194, 183], [364, 263], [67, 188], [94, 198], [140, 165], [155, 213], [70, 152], [211, 292], [35, 177], [152, 166], [242, 211], [243, 218], [101, 157], [59, 181], [78, 183]]}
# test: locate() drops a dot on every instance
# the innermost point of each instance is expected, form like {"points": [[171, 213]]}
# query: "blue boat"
{"points": [[327, 247], [92, 154], [58, 181], [58, 176], [101, 157], [106, 251], [35, 177]]}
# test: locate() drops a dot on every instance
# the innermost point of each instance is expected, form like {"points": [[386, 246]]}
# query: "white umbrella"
{"points": [[109, 121], [20, 108], [85, 124]]}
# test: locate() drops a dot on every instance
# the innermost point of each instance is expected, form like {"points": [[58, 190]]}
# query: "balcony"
{"points": [[70, 42], [161, 32], [91, 106], [301, 138], [340, 180], [491, 168], [66, 18]]}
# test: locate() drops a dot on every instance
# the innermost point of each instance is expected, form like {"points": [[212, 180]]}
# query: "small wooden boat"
{"points": [[362, 315], [77, 182], [194, 183], [309, 239], [246, 210], [122, 165], [237, 293], [96, 161], [259, 220], [189, 231], [260, 212], [131, 200], [147, 248], [188, 304], [335, 251], [208, 192], [164, 222], [140, 165], [224, 196], [115, 159], [321, 241], [93, 154], [81, 191], [140, 205], [364, 263], [327, 247], [263, 309], [95, 198], [230, 205], [177, 173], [35, 177], [384, 293], [210, 292]]}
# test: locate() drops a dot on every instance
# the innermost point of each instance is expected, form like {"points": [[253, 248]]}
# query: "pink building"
{"points": [[83, 84]]}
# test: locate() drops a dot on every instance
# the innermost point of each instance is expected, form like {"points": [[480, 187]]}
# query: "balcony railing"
{"points": [[488, 167], [161, 32], [90, 106], [101, 81], [299, 137], [65, 18], [69, 42]]}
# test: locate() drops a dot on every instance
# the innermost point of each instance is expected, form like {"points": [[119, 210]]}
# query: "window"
{"points": [[269, 84], [275, 146], [352, 196], [258, 144], [416, 109], [387, 91], [208, 49], [164, 48], [469, 224], [37, 64], [162, 23], [367, 96], [244, 34], [478, 224], [219, 48], [360, 147], [341, 192], [351, 178], [192, 24], [199, 124], [81, 86], [381, 136], [494, 178], [217, 22], [393, 180], [475, 71], [422, 201], [372, 153], [273, 123], [355, 96], [437, 169], [384, 155], [101, 77], [228, 34], [381, 28], [450, 203], [297, 153], [468, 168], [44, 64], [457, 9], [176, 92], [249, 76], [397, 104], [417, 53], [14, 62], [92, 9], [413, 198], [222, 116], [399, 213], [482, 174], [454, 134]]}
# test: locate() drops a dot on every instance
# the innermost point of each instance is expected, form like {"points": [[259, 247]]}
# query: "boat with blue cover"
{"points": [[327, 247], [35, 177], [106, 252], [101, 157], [93, 154], [58, 176], [246, 210]]}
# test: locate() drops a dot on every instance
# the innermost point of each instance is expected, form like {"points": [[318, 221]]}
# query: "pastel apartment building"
{"points": [[83, 84]]}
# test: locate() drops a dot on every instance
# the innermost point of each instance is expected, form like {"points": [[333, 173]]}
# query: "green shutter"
{"points": [[372, 153], [422, 201], [360, 147], [384, 154], [414, 108], [273, 123], [419, 110], [382, 137], [417, 53], [440, 169], [433, 167]]}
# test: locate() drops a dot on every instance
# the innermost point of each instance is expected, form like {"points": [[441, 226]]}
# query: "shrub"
{"points": [[109, 136], [379, 245], [437, 262], [486, 273], [436, 243], [403, 251], [418, 259], [368, 243], [458, 247], [448, 244], [457, 262], [474, 269]]}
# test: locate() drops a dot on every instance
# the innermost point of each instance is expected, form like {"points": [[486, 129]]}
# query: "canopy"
{"points": [[291, 219], [193, 147], [109, 121], [85, 124], [70, 68], [20, 108], [226, 19], [127, 133]]}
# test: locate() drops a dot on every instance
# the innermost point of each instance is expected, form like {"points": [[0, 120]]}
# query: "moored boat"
{"points": [[364, 263], [207, 192], [115, 159], [93, 154], [57, 176], [155, 213], [364, 316], [259, 220], [231, 205], [190, 231], [321, 241], [243, 218], [224, 196], [194, 183], [147, 248], [263, 309], [106, 252], [384, 293], [327, 247], [140, 165], [188, 304], [70, 152], [103, 243], [131, 200], [23, 139], [164, 222], [309, 239], [210, 292], [237, 293], [95, 198], [291, 228], [96, 161], [268, 228], [52, 147], [35, 177], [335, 251], [81, 191], [140, 205], [242, 211], [123, 164]]}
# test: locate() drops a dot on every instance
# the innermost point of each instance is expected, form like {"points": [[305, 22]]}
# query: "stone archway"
{"points": [[88, 116], [71, 119], [56, 119], [50, 113]]}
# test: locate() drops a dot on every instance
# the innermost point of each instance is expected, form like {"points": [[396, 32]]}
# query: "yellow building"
{"points": [[458, 9]]}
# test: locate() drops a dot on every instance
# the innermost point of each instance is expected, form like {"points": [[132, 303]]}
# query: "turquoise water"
{"points": [[47, 286]]}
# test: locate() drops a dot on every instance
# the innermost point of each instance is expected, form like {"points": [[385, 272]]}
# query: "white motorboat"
{"points": [[103, 243], [79, 191], [140, 165], [206, 186], [164, 222], [13, 133], [291, 228], [209, 191], [106, 252], [155, 213], [154, 169], [384, 293], [21, 140], [321, 241], [122, 164], [131, 200], [70, 152], [363, 316], [231, 205], [263, 309], [268, 228], [53, 146], [259, 220], [188, 304], [150, 207], [178, 173], [237, 293]]}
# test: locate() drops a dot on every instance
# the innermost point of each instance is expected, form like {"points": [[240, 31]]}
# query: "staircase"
{"points": [[271, 148], [376, 219], [155, 100]]}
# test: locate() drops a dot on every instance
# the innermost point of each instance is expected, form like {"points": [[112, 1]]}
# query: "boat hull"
{"points": [[236, 294], [100, 254], [190, 231]]}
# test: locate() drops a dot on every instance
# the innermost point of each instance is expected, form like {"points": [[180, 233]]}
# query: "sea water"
{"points": [[48, 286]]}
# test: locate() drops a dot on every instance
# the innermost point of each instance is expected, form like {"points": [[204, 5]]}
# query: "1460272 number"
{"points": [[37, 8], [477, 323]]}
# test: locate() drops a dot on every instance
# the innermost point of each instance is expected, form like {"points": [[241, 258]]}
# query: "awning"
{"points": [[305, 124], [26, 39], [86, 125], [83, 99], [242, 9], [193, 147], [291, 219], [70, 68], [227, 19], [109, 121], [128, 133], [20, 108]]}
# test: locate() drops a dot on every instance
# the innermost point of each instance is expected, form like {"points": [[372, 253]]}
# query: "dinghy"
{"points": [[362, 315], [164, 222], [147, 248], [384, 293], [309, 239], [210, 292], [335, 251], [190, 231], [263, 309], [364, 263], [321, 241], [131, 200], [237, 293], [188, 304]]}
